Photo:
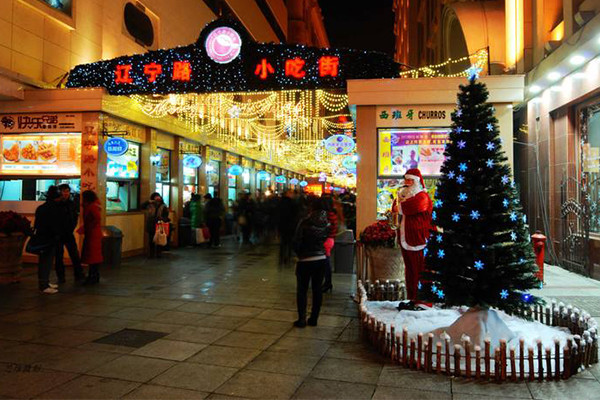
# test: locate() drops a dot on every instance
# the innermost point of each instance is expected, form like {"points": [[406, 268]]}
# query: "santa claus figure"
{"points": [[415, 209]]}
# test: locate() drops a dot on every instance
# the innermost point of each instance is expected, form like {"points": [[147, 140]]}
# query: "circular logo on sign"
{"points": [[263, 176], [294, 181], [223, 45], [192, 161], [116, 146]]}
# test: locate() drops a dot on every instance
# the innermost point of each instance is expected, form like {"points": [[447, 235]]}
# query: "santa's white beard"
{"points": [[410, 191]]}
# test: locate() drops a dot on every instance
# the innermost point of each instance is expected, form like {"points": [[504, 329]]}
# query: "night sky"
{"points": [[365, 24]]}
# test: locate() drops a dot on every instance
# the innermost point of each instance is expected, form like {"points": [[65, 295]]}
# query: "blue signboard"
{"points": [[116, 146], [294, 181], [303, 183], [236, 170], [192, 161], [263, 176], [280, 179], [339, 144]]}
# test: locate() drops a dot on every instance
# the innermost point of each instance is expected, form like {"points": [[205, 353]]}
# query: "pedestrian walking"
{"points": [[214, 211], [69, 217], [288, 220], [309, 242], [46, 238], [156, 211], [332, 219], [245, 217], [91, 254]]}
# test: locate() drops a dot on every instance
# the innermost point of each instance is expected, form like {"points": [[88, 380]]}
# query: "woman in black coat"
{"points": [[309, 240]]}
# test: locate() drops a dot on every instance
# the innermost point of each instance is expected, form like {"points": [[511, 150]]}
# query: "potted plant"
{"points": [[384, 256], [14, 229]]}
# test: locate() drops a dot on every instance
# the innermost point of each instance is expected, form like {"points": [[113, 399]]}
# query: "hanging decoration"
{"points": [[477, 60]]}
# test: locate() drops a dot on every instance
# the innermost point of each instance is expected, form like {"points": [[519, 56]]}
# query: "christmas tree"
{"points": [[482, 257]]}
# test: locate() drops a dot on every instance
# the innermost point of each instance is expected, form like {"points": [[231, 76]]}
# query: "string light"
{"points": [[479, 59]]}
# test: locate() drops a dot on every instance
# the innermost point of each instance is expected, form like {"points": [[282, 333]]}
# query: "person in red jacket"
{"points": [[415, 208], [91, 253]]}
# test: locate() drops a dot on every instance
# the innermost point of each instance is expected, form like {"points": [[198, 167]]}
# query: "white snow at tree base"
{"points": [[435, 318]]}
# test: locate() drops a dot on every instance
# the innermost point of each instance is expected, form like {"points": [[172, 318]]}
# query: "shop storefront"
{"points": [[234, 174], [248, 166], [213, 171], [192, 162], [38, 150], [122, 174], [404, 123]]}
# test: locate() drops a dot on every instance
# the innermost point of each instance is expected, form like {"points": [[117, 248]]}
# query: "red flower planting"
{"points": [[379, 234], [11, 222]]}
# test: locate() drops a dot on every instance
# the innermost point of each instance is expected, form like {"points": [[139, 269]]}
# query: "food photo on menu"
{"points": [[34, 153]]}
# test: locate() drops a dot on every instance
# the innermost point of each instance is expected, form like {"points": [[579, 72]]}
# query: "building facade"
{"points": [[41, 40]]}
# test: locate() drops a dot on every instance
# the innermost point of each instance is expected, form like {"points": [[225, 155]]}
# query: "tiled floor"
{"points": [[218, 324]]}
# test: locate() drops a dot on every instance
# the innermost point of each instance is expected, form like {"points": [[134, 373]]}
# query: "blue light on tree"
{"points": [[441, 253], [505, 179], [475, 214], [462, 167], [438, 203], [462, 197], [425, 251], [490, 146], [419, 286], [461, 144], [434, 288], [440, 294], [479, 265], [455, 217], [459, 129], [504, 294], [460, 179], [526, 297], [490, 127], [438, 238], [458, 112], [433, 215], [505, 203], [513, 236], [513, 216], [474, 72], [451, 175], [489, 163]]}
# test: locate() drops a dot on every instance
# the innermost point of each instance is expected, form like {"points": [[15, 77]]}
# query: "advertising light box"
{"points": [[403, 149], [126, 165], [41, 154]]}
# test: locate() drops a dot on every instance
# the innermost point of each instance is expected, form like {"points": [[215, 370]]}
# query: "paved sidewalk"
{"points": [[215, 324]]}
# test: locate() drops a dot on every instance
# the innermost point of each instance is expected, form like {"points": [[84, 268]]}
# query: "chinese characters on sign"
{"points": [[89, 158], [414, 116], [46, 122], [339, 144]]}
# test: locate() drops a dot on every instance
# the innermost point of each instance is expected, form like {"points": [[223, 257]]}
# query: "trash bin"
{"points": [[112, 242], [185, 232], [343, 252]]}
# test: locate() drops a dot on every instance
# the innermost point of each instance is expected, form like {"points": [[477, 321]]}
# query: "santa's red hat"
{"points": [[415, 174]]}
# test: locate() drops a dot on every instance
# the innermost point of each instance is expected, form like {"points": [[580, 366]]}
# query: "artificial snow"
{"points": [[433, 319]]}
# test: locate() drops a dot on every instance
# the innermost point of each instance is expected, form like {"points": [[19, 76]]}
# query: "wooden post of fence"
{"points": [[540, 361], [502, 360], [392, 342], [566, 362], [419, 350], [429, 355], [467, 357], [438, 350], [575, 358], [486, 356], [477, 362], [556, 359], [530, 360], [457, 360], [412, 353], [497, 364], [404, 346], [548, 363], [398, 347], [521, 359], [513, 364], [535, 312], [447, 349]]}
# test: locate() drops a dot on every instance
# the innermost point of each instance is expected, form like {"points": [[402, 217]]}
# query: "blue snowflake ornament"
{"points": [[451, 175], [490, 127], [504, 294], [434, 215], [462, 167], [513, 216], [462, 197], [461, 144], [475, 214], [474, 72], [438, 203], [455, 217], [490, 146], [433, 288], [489, 163], [459, 112], [460, 179], [441, 253], [505, 179], [479, 265], [459, 129], [438, 238], [440, 294], [513, 236], [505, 203]]}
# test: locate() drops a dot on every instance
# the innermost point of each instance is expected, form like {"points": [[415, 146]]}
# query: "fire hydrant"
{"points": [[539, 241]]}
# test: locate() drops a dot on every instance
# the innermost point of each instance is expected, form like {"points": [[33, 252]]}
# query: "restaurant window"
{"points": [[591, 165], [246, 179], [163, 175], [213, 169], [191, 175], [231, 187], [32, 162], [123, 180]]}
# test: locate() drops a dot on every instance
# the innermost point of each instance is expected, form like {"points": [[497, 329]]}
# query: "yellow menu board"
{"points": [[41, 154]]}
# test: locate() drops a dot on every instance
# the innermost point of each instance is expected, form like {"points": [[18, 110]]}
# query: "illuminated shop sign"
{"points": [[339, 144], [192, 161], [226, 59], [280, 179], [263, 176], [116, 146], [294, 181], [236, 170], [349, 162]]}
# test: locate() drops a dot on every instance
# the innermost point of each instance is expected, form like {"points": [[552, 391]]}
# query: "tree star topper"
{"points": [[474, 72]]}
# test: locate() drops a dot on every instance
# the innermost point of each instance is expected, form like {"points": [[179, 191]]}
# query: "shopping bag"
{"points": [[200, 236], [206, 233], [165, 225], [160, 236], [38, 245]]}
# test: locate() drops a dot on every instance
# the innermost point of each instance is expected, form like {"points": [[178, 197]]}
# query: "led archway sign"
{"points": [[236, 170]]}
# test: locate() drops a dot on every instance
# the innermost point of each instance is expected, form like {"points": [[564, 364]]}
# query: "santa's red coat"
{"points": [[416, 221]]}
